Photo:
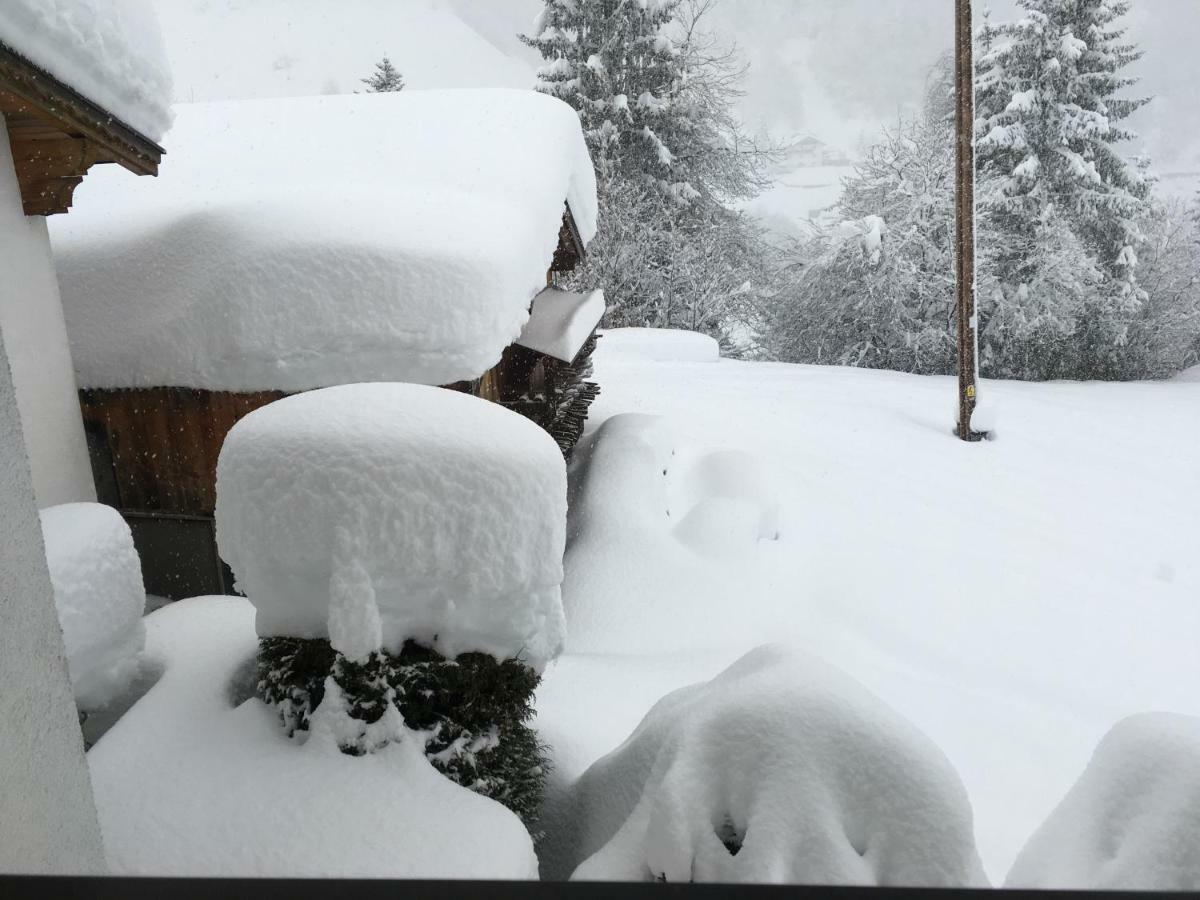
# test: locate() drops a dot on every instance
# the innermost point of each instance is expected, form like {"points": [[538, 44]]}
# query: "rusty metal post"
{"points": [[964, 214]]}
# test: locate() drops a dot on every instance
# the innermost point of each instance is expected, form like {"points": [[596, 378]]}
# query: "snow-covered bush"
{"points": [[196, 780], [402, 546], [781, 769], [878, 290], [1132, 821], [98, 592]]}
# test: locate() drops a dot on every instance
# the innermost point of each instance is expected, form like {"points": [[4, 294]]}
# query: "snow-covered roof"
{"points": [[304, 242], [560, 322], [110, 51]]}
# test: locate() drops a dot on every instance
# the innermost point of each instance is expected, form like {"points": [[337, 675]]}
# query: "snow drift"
{"points": [[659, 345], [110, 51], [197, 780], [1132, 821], [453, 507], [98, 592], [781, 769], [300, 243]]}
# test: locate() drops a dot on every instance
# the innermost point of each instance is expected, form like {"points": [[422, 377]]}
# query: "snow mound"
{"points": [[110, 51], [659, 345], [306, 242], [649, 494], [1132, 821], [194, 781], [98, 592], [732, 506], [454, 508], [781, 769], [1192, 374]]}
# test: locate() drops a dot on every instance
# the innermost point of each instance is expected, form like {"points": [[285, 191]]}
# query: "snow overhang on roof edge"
{"points": [[560, 322]]}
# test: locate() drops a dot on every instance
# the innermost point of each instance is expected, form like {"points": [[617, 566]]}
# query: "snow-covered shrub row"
{"points": [[426, 223], [781, 769], [98, 591], [198, 780], [454, 507], [110, 51], [1132, 821], [402, 545]]}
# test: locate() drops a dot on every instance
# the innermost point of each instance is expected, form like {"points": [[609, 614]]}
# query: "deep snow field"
{"points": [[1013, 599], [1006, 603]]}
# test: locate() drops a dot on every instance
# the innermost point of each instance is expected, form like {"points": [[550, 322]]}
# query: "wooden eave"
{"points": [[571, 250], [57, 134]]}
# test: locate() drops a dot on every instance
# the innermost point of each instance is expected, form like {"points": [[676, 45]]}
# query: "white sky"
{"points": [[843, 68]]}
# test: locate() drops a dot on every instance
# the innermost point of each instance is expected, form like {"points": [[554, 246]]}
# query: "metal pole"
{"points": [[964, 213]]}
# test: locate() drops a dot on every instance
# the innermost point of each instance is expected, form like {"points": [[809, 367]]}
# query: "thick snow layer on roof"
{"points": [[98, 592], [1132, 821], [659, 345], [110, 51], [781, 769], [560, 322], [307, 242], [452, 507], [198, 780]]}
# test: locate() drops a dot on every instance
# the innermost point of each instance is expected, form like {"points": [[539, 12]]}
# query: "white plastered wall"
{"points": [[48, 822], [39, 354]]}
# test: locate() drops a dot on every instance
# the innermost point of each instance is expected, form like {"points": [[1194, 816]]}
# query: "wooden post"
{"points": [[964, 209]]}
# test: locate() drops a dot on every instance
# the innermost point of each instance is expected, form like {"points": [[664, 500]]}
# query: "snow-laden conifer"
{"points": [[655, 94], [1050, 109], [384, 79]]}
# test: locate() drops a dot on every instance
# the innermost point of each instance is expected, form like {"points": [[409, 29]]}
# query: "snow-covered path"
{"points": [[1014, 599]]}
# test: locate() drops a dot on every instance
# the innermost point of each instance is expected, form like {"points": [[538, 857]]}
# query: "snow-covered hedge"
{"points": [[402, 546], [455, 507], [1132, 821], [781, 769], [98, 592]]}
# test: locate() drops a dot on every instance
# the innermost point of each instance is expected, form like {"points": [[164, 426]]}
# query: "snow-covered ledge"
{"points": [[50, 824]]}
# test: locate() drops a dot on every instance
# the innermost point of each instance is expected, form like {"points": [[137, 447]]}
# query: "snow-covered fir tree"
{"points": [[384, 79], [655, 95], [1049, 114], [615, 63]]}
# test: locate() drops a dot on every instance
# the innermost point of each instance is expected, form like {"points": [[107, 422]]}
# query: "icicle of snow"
{"points": [[355, 628]]}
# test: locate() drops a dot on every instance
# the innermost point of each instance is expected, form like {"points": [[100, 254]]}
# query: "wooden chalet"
{"points": [[154, 450], [56, 135]]}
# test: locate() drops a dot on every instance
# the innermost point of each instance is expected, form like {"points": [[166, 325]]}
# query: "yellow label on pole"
{"points": [[970, 392]]}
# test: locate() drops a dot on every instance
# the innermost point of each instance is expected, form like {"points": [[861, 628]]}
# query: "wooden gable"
{"points": [[57, 135], [570, 251]]}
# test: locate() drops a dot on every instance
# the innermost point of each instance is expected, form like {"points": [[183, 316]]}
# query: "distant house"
{"points": [[308, 242], [71, 98], [809, 152]]}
